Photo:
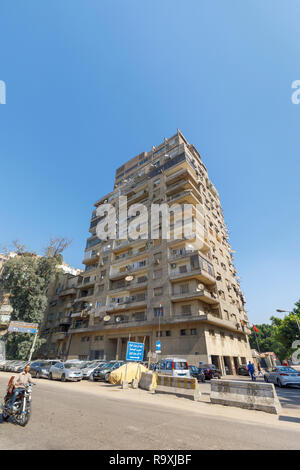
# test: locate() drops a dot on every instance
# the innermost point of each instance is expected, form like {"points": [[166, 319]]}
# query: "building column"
{"points": [[119, 345], [222, 365]]}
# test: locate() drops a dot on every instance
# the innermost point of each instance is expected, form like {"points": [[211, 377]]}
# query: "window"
{"points": [[211, 332], [186, 309], [182, 332], [158, 334], [159, 312], [182, 269], [184, 288], [193, 331], [158, 291], [168, 333]]}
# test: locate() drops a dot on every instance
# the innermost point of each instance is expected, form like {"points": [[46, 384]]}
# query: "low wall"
{"points": [[147, 381], [178, 385], [249, 395]]}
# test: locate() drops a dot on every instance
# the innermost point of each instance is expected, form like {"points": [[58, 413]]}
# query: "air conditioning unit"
{"points": [[173, 265]]}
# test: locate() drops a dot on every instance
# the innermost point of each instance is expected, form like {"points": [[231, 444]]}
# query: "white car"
{"points": [[65, 371], [282, 376], [173, 366]]}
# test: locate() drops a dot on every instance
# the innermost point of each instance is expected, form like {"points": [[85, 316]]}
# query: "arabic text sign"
{"points": [[135, 351], [22, 327]]}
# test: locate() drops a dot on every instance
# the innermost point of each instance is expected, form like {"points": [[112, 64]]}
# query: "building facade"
{"points": [[182, 291]]}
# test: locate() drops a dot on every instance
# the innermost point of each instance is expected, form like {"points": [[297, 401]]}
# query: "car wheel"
{"points": [[280, 385], [91, 377], [107, 377], [50, 376], [63, 378], [38, 375]]}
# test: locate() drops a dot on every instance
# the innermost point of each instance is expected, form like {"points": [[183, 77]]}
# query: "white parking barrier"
{"points": [[249, 395], [178, 385]]}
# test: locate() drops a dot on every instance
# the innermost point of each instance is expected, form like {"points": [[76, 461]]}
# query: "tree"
{"points": [[286, 330], [265, 340], [27, 277], [56, 247]]}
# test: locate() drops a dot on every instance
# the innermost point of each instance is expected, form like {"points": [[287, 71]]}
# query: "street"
{"points": [[89, 415]]}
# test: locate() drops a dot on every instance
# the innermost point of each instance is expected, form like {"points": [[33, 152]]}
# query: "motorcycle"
{"points": [[21, 409]]}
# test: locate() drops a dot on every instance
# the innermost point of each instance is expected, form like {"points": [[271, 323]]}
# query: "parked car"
{"points": [[177, 367], [197, 373], [243, 370], [210, 371], [283, 376], [40, 369], [89, 367], [65, 371], [102, 373]]}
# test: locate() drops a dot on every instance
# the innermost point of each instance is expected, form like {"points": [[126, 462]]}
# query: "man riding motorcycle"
{"points": [[19, 382]]}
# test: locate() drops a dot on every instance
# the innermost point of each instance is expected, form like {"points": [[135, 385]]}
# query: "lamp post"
{"points": [[286, 311]]}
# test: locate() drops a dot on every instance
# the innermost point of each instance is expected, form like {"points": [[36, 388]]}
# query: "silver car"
{"points": [[88, 369], [65, 371], [282, 376]]}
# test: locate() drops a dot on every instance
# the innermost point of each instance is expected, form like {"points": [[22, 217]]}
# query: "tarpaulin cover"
{"points": [[134, 371]]}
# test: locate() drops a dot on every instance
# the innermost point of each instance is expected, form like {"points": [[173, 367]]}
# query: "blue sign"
{"points": [[22, 327], [135, 351], [158, 346]]}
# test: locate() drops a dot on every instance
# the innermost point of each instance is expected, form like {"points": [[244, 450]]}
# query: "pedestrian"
{"points": [[251, 371], [259, 371]]}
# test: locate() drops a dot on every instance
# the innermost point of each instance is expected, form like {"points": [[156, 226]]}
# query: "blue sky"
{"points": [[92, 83]]}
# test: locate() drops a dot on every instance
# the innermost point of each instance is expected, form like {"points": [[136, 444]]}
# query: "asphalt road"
{"points": [[93, 416]]}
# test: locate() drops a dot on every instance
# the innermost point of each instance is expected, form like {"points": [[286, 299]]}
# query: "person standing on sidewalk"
{"points": [[251, 371]]}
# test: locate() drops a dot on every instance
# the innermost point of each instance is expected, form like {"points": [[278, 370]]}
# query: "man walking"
{"points": [[251, 371]]}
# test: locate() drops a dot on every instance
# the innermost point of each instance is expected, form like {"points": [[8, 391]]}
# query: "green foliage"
{"points": [[278, 336], [286, 330], [27, 278]]}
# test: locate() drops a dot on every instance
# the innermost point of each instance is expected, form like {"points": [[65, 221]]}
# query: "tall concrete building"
{"points": [[183, 292]]}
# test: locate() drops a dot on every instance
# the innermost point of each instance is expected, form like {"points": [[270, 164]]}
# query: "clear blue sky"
{"points": [[92, 83]]}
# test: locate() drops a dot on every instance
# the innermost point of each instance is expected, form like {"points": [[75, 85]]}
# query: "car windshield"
{"points": [[287, 369], [72, 365], [180, 366]]}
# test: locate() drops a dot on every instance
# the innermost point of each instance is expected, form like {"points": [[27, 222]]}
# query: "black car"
{"points": [[103, 372], [210, 371], [243, 370], [197, 373]]}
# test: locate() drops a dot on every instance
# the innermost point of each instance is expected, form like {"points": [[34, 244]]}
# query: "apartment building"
{"points": [[183, 291], [58, 315]]}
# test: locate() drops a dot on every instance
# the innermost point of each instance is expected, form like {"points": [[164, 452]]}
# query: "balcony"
{"points": [[128, 303], [69, 291], [130, 269], [202, 294], [187, 197], [138, 196], [192, 273], [59, 335], [128, 285]]}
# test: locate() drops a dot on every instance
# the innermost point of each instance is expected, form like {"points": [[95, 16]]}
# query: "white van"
{"points": [[175, 366]]}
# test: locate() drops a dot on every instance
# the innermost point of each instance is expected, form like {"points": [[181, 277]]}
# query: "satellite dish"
{"points": [[118, 319], [106, 318], [128, 278], [201, 287]]}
